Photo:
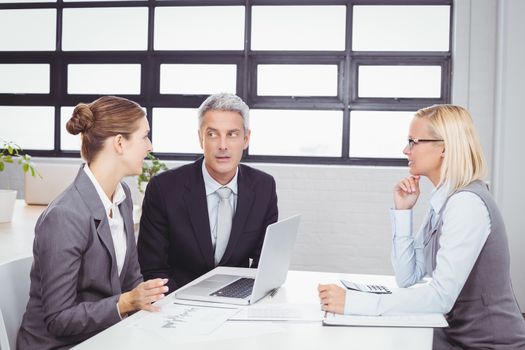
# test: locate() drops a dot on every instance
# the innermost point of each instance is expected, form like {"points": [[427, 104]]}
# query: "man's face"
{"points": [[223, 140]]}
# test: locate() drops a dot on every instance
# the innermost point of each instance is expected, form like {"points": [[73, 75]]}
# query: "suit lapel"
{"points": [[245, 200], [90, 196], [130, 234], [195, 199]]}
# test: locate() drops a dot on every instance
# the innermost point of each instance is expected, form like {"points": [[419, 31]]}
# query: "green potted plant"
{"points": [[152, 165], [12, 153]]}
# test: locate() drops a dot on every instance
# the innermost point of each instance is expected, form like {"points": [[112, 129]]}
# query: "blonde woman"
{"points": [[85, 275], [462, 244]]}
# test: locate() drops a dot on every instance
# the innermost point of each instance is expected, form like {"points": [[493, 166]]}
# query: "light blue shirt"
{"points": [[466, 226], [213, 199]]}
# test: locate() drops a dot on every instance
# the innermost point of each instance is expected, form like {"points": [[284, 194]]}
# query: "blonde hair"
{"points": [[463, 161]]}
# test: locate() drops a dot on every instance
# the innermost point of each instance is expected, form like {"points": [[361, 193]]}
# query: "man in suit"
{"points": [[182, 233]]}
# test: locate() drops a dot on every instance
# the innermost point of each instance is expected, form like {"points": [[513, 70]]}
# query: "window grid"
{"points": [[246, 61]]}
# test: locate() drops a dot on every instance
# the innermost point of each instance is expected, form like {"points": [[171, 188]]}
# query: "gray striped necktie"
{"points": [[224, 223]]}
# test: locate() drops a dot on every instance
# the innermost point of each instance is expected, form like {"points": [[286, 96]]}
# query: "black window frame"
{"points": [[246, 61]]}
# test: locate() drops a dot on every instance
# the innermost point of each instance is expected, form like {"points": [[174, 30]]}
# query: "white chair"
{"points": [[13, 299]]}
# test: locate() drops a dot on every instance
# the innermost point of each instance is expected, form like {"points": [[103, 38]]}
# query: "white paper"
{"points": [[279, 312], [175, 320], [408, 320]]}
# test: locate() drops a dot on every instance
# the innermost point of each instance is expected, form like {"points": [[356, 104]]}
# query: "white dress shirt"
{"points": [[116, 223], [213, 199], [466, 226]]}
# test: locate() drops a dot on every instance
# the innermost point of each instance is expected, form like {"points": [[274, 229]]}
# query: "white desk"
{"points": [[16, 237], [299, 288], [16, 240]]}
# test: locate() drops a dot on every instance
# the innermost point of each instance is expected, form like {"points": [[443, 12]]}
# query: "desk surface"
{"points": [[16, 237], [16, 240], [300, 288]]}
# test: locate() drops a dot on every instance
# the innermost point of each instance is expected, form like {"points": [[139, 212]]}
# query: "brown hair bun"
{"points": [[81, 121]]}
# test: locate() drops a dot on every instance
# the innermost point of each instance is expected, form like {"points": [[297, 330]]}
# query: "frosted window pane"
{"points": [[28, 30], [400, 81], [175, 130], [401, 28], [298, 27], [296, 133], [30, 127], [68, 142], [199, 28], [296, 80], [379, 134], [104, 79], [189, 78], [122, 28], [24, 78]]}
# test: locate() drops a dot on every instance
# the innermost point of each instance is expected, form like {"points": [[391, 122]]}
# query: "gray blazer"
{"points": [[75, 284]]}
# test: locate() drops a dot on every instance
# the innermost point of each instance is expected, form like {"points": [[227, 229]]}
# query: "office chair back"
{"points": [[13, 299]]}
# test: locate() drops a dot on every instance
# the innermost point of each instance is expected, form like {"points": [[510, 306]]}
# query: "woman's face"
{"points": [[425, 157], [137, 147]]}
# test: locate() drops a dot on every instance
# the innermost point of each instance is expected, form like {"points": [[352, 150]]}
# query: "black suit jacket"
{"points": [[175, 238]]}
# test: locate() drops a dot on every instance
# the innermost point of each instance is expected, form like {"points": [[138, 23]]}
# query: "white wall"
{"points": [[345, 223], [509, 131], [488, 79], [345, 215]]}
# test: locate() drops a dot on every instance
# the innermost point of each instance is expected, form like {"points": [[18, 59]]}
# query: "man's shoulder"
{"points": [[254, 174], [177, 174]]}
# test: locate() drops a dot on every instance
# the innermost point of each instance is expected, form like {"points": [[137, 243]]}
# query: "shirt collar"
{"points": [[438, 197], [118, 196], [212, 185]]}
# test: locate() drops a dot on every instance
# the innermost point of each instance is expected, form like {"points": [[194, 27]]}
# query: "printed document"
{"points": [[279, 312], [176, 320], [405, 320]]}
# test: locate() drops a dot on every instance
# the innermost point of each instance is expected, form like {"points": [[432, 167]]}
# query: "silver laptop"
{"points": [[273, 267]]}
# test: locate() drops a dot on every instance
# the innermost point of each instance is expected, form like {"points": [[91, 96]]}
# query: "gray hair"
{"points": [[225, 102]]}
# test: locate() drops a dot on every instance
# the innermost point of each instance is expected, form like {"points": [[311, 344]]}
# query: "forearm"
{"points": [[407, 253], [84, 318]]}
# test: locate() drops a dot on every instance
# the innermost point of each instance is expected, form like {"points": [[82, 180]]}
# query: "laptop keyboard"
{"points": [[240, 288]]}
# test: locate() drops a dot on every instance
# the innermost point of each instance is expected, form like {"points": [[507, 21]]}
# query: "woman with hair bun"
{"points": [[462, 243], [85, 275]]}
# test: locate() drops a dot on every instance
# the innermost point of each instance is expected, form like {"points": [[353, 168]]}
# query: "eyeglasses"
{"points": [[413, 142]]}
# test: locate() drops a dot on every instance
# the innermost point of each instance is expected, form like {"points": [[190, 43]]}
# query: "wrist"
{"points": [[402, 207], [124, 304]]}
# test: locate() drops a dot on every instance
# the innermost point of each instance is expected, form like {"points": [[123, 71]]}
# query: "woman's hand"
{"points": [[406, 193], [141, 297], [332, 298]]}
